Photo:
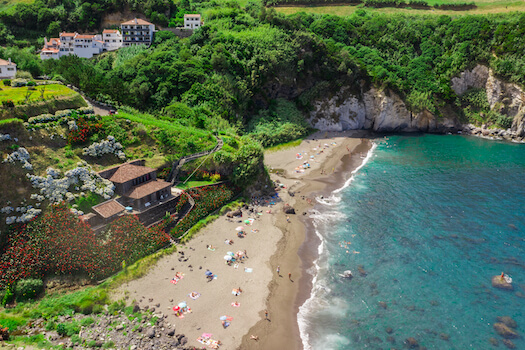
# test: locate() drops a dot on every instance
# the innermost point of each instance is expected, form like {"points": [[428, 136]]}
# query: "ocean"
{"points": [[424, 224]]}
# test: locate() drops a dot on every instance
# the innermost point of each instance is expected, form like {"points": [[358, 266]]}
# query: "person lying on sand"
{"points": [[210, 247], [228, 241], [254, 337]]}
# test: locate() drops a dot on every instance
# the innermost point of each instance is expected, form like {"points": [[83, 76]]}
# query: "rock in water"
{"points": [[501, 283], [508, 321], [494, 342], [383, 304], [412, 343], [361, 270], [509, 344], [505, 331]]}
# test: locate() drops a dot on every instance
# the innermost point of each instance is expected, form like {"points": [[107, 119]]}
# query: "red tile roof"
{"points": [[109, 208], [127, 172], [84, 36], [192, 15], [137, 21], [109, 31], [49, 50], [6, 63], [67, 34], [147, 188]]}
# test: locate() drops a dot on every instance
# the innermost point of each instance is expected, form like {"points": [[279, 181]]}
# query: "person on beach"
{"points": [[245, 254], [278, 271], [288, 219], [290, 276], [254, 337], [266, 315]]}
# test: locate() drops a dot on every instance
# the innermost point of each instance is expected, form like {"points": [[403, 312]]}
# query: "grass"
{"points": [[283, 146], [8, 6], [483, 7], [190, 184], [18, 94]]}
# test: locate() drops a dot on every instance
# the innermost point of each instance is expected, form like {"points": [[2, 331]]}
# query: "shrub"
{"points": [[8, 104], [18, 82], [6, 82], [8, 297], [20, 74], [31, 83], [28, 289]]}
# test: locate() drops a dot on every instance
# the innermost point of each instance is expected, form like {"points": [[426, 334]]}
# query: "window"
{"points": [[10, 69]]}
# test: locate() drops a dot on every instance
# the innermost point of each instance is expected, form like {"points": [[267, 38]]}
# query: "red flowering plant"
{"points": [[83, 131], [59, 243], [207, 199]]}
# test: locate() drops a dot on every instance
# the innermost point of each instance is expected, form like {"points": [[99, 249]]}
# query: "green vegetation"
{"points": [[25, 94]]}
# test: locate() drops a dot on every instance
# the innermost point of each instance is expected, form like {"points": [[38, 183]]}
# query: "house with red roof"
{"points": [[137, 32]]}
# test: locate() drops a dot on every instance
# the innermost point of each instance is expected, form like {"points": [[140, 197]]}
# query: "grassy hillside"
{"points": [[25, 94], [9, 5], [483, 7]]}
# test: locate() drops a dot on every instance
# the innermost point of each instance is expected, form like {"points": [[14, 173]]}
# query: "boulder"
{"points": [[444, 336], [289, 210], [509, 344], [136, 308], [505, 331], [151, 333], [494, 342], [508, 321], [389, 330], [498, 282], [411, 343]]}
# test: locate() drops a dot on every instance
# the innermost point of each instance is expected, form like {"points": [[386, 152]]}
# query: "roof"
{"points": [[50, 49], [192, 15], [84, 36], [109, 208], [137, 21], [6, 63], [51, 40], [127, 172], [147, 188], [109, 31], [67, 34]]}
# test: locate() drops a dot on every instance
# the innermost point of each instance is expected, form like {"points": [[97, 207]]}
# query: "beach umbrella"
{"points": [[239, 228], [230, 254], [208, 273], [246, 221], [176, 308], [240, 252], [227, 257], [182, 304], [223, 318]]}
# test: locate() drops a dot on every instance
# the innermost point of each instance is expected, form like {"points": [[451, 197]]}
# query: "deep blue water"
{"points": [[430, 219]]}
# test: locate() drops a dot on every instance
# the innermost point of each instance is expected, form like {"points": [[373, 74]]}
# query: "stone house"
{"points": [[7, 69]]}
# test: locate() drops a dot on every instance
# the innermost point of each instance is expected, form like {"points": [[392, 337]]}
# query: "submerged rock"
{"points": [[383, 304], [505, 331], [501, 283], [494, 342], [361, 270], [509, 344], [412, 343], [508, 321]]}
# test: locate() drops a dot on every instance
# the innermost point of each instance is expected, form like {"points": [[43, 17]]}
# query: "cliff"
{"points": [[385, 111]]}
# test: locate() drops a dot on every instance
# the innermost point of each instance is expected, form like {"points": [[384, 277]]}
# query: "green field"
{"points": [[18, 94], [9, 5], [483, 7]]}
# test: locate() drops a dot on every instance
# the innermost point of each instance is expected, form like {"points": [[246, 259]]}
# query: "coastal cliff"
{"points": [[385, 111]]}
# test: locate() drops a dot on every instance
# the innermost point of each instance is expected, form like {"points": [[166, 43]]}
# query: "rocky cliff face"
{"points": [[378, 110], [385, 111]]}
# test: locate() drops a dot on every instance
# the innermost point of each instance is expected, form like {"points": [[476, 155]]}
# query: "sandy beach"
{"points": [[273, 239]]}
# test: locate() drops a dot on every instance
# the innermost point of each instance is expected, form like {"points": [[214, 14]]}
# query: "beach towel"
{"points": [[248, 269], [177, 278], [235, 304], [195, 296], [236, 266]]}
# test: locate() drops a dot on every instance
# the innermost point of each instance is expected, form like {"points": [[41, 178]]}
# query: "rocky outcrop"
{"points": [[377, 110], [385, 111]]}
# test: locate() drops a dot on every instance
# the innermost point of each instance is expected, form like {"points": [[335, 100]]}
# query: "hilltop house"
{"points": [[137, 32], [7, 69], [192, 21], [138, 188]]}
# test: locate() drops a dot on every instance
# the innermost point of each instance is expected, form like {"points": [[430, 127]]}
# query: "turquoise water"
{"points": [[430, 219]]}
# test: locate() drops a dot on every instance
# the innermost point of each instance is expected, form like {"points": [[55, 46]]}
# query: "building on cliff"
{"points": [[192, 21]]}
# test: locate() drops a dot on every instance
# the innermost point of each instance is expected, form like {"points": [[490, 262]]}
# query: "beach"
{"points": [[272, 239]]}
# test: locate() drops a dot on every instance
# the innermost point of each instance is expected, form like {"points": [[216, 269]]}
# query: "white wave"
{"points": [[318, 288], [333, 341]]}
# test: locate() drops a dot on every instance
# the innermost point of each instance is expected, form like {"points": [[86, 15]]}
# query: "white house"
{"points": [[82, 45], [192, 21], [112, 39], [7, 69], [137, 32]]}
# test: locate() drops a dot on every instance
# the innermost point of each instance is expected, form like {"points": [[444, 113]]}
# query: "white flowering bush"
{"points": [[108, 146], [86, 110], [42, 118], [10, 220], [7, 210], [21, 155], [72, 125], [18, 82], [4, 137], [77, 212], [56, 188]]}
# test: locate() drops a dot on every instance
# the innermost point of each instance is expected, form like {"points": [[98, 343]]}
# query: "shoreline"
{"points": [[298, 248]]}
